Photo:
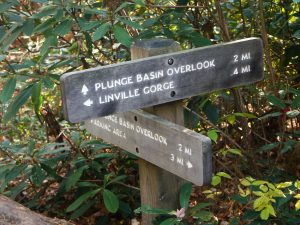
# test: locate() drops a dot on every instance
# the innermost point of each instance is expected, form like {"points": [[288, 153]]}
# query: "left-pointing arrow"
{"points": [[88, 102]]}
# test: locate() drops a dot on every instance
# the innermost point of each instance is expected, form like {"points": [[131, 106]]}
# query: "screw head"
{"points": [[170, 61]]}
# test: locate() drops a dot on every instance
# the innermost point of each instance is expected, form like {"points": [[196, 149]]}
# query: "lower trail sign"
{"points": [[174, 148], [159, 79]]}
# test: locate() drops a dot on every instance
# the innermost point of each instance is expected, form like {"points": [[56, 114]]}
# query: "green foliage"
{"points": [[8, 90], [270, 200], [185, 193], [81, 199], [181, 216], [111, 201], [218, 178]]}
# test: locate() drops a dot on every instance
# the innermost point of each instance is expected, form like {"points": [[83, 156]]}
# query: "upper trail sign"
{"points": [[155, 80]]}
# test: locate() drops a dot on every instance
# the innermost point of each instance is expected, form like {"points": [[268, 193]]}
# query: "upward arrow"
{"points": [[84, 90]]}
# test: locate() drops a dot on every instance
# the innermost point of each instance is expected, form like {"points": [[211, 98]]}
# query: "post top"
{"points": [[154, 43], [152, 47]]}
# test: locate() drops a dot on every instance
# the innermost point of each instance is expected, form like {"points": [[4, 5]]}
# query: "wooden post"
{"points": [[159, 188]]}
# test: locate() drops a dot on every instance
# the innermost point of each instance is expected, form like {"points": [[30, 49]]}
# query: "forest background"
{"points": [[58, 169]]}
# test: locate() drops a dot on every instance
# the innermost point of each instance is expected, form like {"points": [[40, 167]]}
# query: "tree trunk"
{"points": [[13, 213]]}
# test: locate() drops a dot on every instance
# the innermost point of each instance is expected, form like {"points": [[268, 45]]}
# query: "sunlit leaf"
{"points": [[297, 205], [284, 185], [223, 174], [247, 115], [245, 182], [231, 119], [213, 135], [235, 151], [215, 180], [264, 214], [36, 96], [297, 196], [297, 184]]}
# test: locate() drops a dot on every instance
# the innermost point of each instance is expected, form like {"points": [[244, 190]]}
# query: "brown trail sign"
{"points": [[174, 148], [159, 79]]}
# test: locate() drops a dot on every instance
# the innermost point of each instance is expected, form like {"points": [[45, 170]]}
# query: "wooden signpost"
{"points": [[174, 148], [167, 152], [159, 79]]}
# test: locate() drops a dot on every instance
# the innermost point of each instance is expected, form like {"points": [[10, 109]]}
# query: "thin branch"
{"points": [[128, 186], [225, 167], [215, 127], [266, 44], [176, 6]]}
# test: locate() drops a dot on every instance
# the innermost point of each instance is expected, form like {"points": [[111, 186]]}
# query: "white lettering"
{"points": [[172, 157], [170, 72], [139, 78], [97, 86], [126, 124], [119, 96], [246, 56], [158, 87], [104, 126], [112, 118], [179, 161], [180, 147], [246, 69], [119, 133], [113, 83], [191, 67], [188, 151], [148, 133], [149, 76], [235, 72], [236, 58]]}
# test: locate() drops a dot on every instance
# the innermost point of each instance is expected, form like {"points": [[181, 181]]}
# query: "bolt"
{"points": [[170, 61]]}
